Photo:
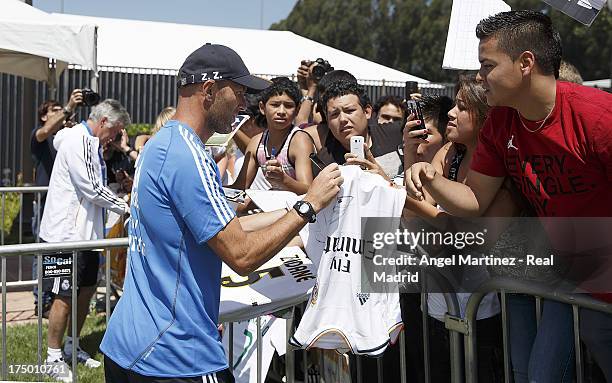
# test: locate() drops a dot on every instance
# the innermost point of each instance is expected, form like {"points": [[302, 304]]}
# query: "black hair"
{"points": [[334, 76], [280, 86], [325, 82], [390, 99], [435, 109], [342, 88], [44, 107], [252, 109], [524, 30]]}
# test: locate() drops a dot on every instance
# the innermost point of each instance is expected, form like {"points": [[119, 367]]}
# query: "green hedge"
{"points": [[11, 210], [137, 129]]}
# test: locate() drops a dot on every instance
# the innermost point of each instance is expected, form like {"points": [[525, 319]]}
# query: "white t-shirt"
{"points": [[340, 315]]}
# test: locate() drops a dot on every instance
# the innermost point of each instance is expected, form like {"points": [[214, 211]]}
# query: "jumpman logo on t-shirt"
{"points": [[510, 144]]}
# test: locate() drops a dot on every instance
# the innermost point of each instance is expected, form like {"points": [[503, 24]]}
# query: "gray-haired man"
{"points": [[74, 211]]}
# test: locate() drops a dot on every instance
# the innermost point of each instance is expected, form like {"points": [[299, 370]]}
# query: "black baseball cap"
{"points": [[218, 62]]}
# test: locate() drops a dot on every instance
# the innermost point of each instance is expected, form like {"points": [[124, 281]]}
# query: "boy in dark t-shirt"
{"points": [[41, 145], [553, 139]]}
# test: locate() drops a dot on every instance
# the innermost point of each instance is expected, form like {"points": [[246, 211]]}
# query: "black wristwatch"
{"points": [[304, 209]]}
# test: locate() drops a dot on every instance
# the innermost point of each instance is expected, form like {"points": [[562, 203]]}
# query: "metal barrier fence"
{"points": [[144, 92], [39, 249], [504, 286], [454, 323], [377, 89], [457, 326], [451, 300]]}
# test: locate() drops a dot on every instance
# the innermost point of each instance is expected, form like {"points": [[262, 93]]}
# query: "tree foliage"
{"points": [[410, 35]]}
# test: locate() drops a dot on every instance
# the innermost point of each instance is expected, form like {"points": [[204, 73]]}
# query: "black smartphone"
{"points": [[414, 107]]}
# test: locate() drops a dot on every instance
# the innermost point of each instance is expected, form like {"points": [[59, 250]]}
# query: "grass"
{"points": [[21, 343]]}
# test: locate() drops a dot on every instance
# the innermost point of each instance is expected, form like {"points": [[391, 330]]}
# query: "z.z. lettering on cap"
{"points": [[215, 76]]}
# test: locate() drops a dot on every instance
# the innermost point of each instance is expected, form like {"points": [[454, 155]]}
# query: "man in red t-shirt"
{"points": [[553, 139]]}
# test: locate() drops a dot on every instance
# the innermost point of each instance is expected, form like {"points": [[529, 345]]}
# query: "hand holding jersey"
{"points": [[458, 199], [324, 187]]}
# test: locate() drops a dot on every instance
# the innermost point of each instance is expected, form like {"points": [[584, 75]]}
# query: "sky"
{"points": [[221, 13]]}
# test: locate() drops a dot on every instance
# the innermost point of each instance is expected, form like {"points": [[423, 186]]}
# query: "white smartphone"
{"points": [[357, 146]]}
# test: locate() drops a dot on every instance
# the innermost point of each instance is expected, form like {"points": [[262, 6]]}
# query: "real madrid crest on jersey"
{"points": [[314, 295]]}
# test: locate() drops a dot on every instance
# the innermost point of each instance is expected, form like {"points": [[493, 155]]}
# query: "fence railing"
{"points": [[459, 327], [505, 285], [38, 249]]}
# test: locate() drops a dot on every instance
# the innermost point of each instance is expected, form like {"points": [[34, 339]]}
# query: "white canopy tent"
{"points": [[605, 83], [148, 45], [30, 37]]}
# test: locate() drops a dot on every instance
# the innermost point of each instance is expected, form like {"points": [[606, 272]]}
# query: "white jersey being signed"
{"points": [[340, 314]]}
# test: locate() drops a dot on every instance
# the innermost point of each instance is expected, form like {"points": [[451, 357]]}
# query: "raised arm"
{"points": [[412, 140], [308, 87], [245, 251], [55, 122]]}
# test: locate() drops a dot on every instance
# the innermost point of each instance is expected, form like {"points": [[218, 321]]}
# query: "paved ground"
{"points": [[19, 304], [19, 307]]}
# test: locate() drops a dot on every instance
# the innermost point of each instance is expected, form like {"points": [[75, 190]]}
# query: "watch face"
{"points": [[304, 208]]}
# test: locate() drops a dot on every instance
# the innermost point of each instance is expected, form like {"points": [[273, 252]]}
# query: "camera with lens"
{"points": [[320, 68], [90, 98]]}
